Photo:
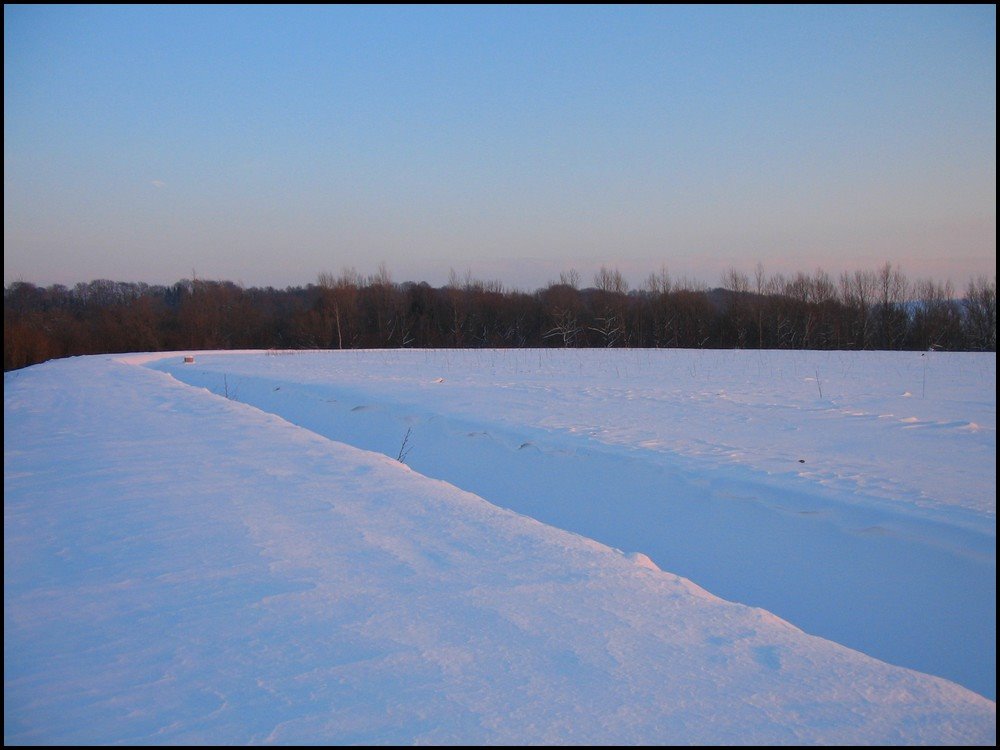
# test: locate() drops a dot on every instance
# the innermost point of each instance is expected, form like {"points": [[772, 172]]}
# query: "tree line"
{"points": [[868, 309]]}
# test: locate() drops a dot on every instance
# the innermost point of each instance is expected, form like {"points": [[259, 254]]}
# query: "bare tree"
{"points": [[981, 314], [657, 288], [937, 317], [737, 284], [892, 316], [340, 294], [610, 280], [382, 299], [560, 311], [565, 326], [858, 293], [570, 278], [610, 316], [659, 283]]}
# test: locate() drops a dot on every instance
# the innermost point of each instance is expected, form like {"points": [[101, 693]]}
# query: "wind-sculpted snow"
{"points": [[185, 568], [837, 513]]}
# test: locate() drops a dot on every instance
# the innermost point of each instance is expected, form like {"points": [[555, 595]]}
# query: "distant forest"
{"points": [[871, 309]]}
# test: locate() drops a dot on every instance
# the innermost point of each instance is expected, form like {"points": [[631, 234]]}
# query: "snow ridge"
{"points": [[183, 568]]}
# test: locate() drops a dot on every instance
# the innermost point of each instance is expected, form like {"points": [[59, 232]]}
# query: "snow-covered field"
{"points": [[214, 564]]}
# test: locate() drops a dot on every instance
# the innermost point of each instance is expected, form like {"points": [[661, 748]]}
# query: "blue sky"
{"points": [[267, 144]]}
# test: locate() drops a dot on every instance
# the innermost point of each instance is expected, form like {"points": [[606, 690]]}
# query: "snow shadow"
{"points": [[908, 591]]}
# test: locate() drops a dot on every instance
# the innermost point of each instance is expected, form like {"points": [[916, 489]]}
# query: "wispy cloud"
{"points": [[157, 183]]}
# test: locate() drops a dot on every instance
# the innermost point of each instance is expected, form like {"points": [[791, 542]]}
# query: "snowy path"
{"points": [[179, 568], [896, 558]]}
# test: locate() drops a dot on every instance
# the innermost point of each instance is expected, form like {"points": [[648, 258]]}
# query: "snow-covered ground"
{"points": [[852, 494], [182, 567]]}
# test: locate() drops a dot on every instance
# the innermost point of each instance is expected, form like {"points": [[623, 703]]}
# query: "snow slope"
{"points": [[883, 539], [183, 568]]}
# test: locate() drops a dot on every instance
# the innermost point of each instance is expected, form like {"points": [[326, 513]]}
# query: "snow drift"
{"points": [[183, 568]]}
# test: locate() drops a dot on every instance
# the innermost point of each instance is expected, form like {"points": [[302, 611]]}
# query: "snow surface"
{"points": [[884, 539], [181, 567]]}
